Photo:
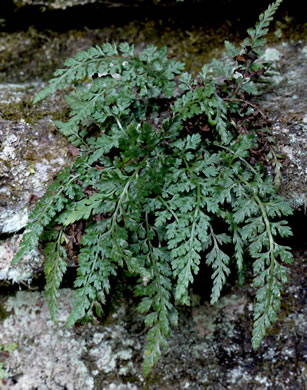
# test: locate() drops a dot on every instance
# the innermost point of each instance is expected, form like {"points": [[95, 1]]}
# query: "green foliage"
{"points": [[170, 175]]}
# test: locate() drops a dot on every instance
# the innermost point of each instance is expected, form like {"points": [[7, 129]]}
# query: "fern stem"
{"points": [[249, 104], [197, 201], [271, 241], [267, 225], [152, 257], [119, 203], [62, 188], [93, 265], [156, 272], [168, 208], [118, 123], [58, 243], [240, 158], [240, 83], [114, 217]]}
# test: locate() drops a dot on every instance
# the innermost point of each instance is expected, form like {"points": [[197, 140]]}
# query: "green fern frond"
{"points": [[161, 185], [55, 268], [156, 304], [261, 27], [46, 209]]}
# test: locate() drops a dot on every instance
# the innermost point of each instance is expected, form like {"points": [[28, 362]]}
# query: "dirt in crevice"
{"points": [[34, 53]]}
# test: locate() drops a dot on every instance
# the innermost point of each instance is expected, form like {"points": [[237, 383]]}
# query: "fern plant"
{"points": [[171, 172]]}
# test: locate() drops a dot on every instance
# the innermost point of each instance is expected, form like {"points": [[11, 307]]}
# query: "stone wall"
{"points": [[211, 347]]}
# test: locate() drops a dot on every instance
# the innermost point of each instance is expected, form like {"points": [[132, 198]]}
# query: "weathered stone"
{"points": [[30, 155], [23, 272], [211, 347], [285, 103], [47, 356], [109, 356], [63, 4]]}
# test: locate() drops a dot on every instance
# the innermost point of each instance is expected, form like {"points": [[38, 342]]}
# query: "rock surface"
{"points": [[63, 4], [31, 153], [285, 103], [211, 347]]}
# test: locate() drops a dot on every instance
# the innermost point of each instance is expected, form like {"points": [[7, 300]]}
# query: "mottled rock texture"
{"points": [[31, 153], [63, 4], [285, 103], [211, 347]]}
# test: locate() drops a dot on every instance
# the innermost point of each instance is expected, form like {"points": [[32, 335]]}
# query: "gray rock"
{"points": [[25, 270], [31, 153], [285, 103], [211, 348], [63, 4], [47, 356]]}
